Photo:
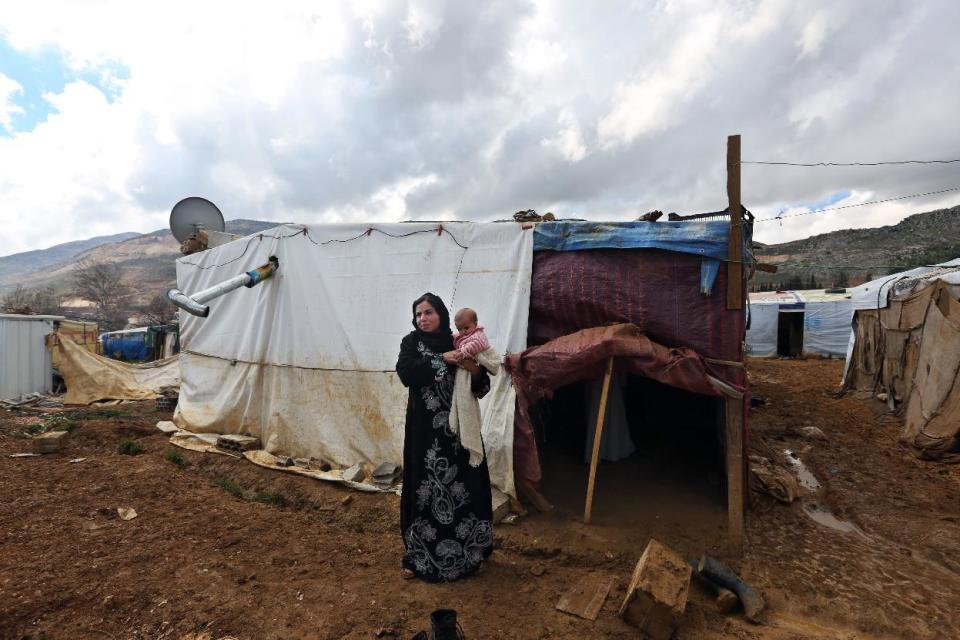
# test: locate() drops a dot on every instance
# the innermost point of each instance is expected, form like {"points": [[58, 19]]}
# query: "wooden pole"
{"points": [[597, 436], [735, 241], [733, 425]]}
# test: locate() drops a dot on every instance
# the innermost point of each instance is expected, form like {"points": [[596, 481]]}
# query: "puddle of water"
{"points": [[807, 480], [823, 517]]}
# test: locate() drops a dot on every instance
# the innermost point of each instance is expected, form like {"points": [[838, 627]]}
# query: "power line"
{"points": [[860, 204], [847, 164]]}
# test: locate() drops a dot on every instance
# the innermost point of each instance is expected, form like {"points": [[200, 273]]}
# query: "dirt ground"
{"points": [[222, 548]]}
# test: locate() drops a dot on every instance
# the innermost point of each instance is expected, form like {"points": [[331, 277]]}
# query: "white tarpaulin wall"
{"points": [[762, 334], [827, 327], [306, 360], [827, 324]]}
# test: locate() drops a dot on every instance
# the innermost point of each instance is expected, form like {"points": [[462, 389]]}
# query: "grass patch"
{"points": [[129, 447], [176, 458], [35, 429], [60, 423], [275, 498], [112, 413], [230, 487]]}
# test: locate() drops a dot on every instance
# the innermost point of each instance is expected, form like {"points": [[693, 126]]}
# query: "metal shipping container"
{"points": [[25, 365]]}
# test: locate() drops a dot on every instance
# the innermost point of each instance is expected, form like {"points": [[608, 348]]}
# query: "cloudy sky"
{"points": [[110, 112]]}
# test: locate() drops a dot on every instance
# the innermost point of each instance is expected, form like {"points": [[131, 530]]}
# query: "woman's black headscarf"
{"points": [[441, 340]]}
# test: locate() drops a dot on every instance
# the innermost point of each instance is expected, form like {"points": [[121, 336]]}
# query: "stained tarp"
{"points": [[910, 351], [305, 360], [83, 333], [90, 377], [876, 293], [540, 370]]}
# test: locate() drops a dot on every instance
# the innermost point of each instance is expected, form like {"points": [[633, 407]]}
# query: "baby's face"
{"points": [[463, 322]]}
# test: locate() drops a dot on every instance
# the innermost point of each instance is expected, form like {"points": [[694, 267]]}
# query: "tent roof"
{"points": [[876, 293], [793, 297]]}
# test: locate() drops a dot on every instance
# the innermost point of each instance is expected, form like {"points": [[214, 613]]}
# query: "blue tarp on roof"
{"points": [[704, 238], [707, 238]]}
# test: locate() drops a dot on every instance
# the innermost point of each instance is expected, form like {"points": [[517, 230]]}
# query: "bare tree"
{"points": [[102, 284], [46, 300], [159, 310], [16, 301]]}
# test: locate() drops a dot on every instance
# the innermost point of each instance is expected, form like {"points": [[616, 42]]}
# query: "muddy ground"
{"points": [[222, 548]]}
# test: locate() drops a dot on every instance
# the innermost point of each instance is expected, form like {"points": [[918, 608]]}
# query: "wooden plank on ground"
{"points": [[586, 597]]}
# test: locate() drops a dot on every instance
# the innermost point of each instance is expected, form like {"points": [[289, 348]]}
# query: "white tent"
{"points": [[824, 321], [306, 360]]}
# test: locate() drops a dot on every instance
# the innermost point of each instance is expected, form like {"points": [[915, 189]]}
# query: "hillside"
{"points": [[147, 260], [861, 254], [13, 267]]}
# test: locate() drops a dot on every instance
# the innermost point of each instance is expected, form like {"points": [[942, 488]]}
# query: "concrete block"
{"points": [[657, 595], [354, 473], [49, 442]]}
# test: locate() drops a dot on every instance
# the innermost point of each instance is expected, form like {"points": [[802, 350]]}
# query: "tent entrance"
{"points": [[661, 455], [790, 333]]}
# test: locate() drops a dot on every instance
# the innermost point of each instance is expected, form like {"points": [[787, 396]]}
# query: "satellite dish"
{"points": [[193, 214]]}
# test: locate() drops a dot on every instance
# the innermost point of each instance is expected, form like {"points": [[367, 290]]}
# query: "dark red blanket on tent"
{"points": [[540, 370], [659, 291]]}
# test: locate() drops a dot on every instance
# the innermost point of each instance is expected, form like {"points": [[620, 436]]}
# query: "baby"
{"points": [[470, 339]]}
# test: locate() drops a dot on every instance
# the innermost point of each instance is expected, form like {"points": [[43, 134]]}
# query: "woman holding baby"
{"points": [[445, 507]]}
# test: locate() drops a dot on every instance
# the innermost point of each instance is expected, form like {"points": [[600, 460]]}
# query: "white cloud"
{"points": [[427, 109], [569, 140], [8, 89]]}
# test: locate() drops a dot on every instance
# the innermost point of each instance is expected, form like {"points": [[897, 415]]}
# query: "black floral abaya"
{"points": [[445, 506]]}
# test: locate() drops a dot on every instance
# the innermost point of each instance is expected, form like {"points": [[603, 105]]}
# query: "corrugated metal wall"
{"points": [[24, 360]]}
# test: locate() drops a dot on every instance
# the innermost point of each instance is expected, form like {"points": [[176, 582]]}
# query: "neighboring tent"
{"points": [[792, 323], [906, 345], [306, 360]]}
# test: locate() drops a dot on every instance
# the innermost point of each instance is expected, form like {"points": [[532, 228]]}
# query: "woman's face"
{"points": [[427, 318]]}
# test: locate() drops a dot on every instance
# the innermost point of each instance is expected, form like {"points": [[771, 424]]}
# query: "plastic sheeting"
{"points": [[306, 359], [701, 238], [90, 377], [876, 293], [827, 328], [762, 334], [827, 325]]}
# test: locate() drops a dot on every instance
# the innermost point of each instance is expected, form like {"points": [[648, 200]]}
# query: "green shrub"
{"points": [[176, 458], [60, 423], [230, 487], [129, 447], [275, 498]]}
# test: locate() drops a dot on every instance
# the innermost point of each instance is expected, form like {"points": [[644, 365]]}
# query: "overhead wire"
{"points": [[847, 164], [859, 204]]}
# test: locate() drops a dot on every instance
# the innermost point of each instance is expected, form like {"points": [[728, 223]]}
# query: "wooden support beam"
{"points": [[597, 436], [733, 426], [735, 241]]}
